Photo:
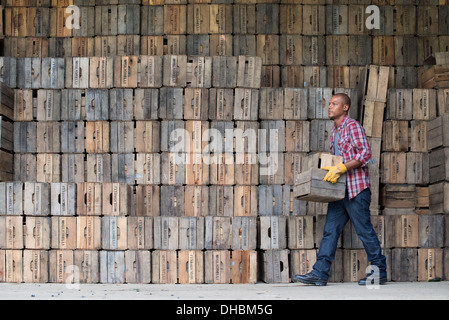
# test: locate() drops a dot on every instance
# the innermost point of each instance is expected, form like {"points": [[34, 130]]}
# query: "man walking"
{"points": [[348, 140]]}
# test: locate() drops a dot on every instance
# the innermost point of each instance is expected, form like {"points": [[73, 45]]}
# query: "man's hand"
{"points": [[334, 172]]}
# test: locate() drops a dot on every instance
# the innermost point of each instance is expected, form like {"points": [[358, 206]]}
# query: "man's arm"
{"points": [[360, 141]]}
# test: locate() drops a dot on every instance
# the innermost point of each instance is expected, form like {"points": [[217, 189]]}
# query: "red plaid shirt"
{"points": [[353, 145]]}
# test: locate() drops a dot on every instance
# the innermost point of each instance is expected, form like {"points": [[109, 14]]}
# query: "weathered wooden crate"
{"points": [[11, 236], [398, 195], [116, 199], [301, 261], [11, 198], [37, 233], [395, 135], [48, 105], [438, 198], [11, 266], [221, 200], [35, 266], [97, 166], [393, 167], [439, 165], [89, 199], [217, 266], [137, 266], [355, 263], [404, 264], [401, 231], [166, 233], [274, 266], [150, 71], [164, 266], [430, 264], [437, 132], [244, 266], [63, 233], [431, 227], [173, 198], [244, 233], [88, 263], [147, 201], [140, 233], [112, 266], [122, 168], [148, 137], [218, 233], [191, 233], [311, 187], [191, 266], [272, 232], [114, 233], [88, 235], [300, 232], [36, 199], [270, 200]]}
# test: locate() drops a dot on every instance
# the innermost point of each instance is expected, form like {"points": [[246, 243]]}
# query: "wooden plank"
{"points": [[437, 134], [438, 199]]}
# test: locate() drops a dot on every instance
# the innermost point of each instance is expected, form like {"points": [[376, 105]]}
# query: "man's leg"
{"points": [[336, 219], [359, 213]]}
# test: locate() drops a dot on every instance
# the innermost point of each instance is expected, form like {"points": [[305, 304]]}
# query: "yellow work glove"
{"points": [[334, 172]]}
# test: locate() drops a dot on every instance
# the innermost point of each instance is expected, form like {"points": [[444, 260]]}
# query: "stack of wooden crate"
{"points": [[100, 105]]}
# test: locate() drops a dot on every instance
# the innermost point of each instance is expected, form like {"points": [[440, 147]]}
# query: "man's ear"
{"points": [[346, 107]]}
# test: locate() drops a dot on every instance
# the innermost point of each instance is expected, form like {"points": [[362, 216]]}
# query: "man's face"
{"points": [[336, 108]]}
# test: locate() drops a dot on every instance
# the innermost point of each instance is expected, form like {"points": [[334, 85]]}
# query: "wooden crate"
{"points": [[300, 232], [36, 199], [147, 201], [35, 266], [97, 166], [243, 266], [137, 266], [399, 106], [101, 72], [114, 233], [173, 199], [63, 233], [122, 168], [89, 233], [437, 134], [191, 233], [191, 266], [221, 200], [112, 267], [147, 167], [244, 233], [398, 196], [11, 232], [89, 199], [404, 264], [395, 135], [393, 167], [438, 198], [270, 200], [11, 198], [140, 233], [430, 264], [116, 199], [311, 187], [438, 165], [72, 137], [302, 261], [418, 168], [424, 104], [150, 71], [88, 263], [355, 263], [272, 232], [217, 267], [221, 103], [11, 266], [48, 167], [274, 266], [431, 229], [401, 231], [218, 233], [166, 233], [418, 136], [37, 233], [196, 201], [164, 266]]}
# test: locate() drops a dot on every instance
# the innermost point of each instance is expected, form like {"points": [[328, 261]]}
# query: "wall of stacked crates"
{"points": [[91, 109]]}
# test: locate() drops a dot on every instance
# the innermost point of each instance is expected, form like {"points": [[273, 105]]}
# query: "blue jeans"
{"points": [[338, 214]]}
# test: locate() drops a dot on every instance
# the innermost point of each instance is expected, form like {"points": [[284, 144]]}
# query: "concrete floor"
{"points": [[260, 291]]}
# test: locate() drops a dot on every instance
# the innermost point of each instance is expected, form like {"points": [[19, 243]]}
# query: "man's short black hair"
{"points": [[345, 98]]}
